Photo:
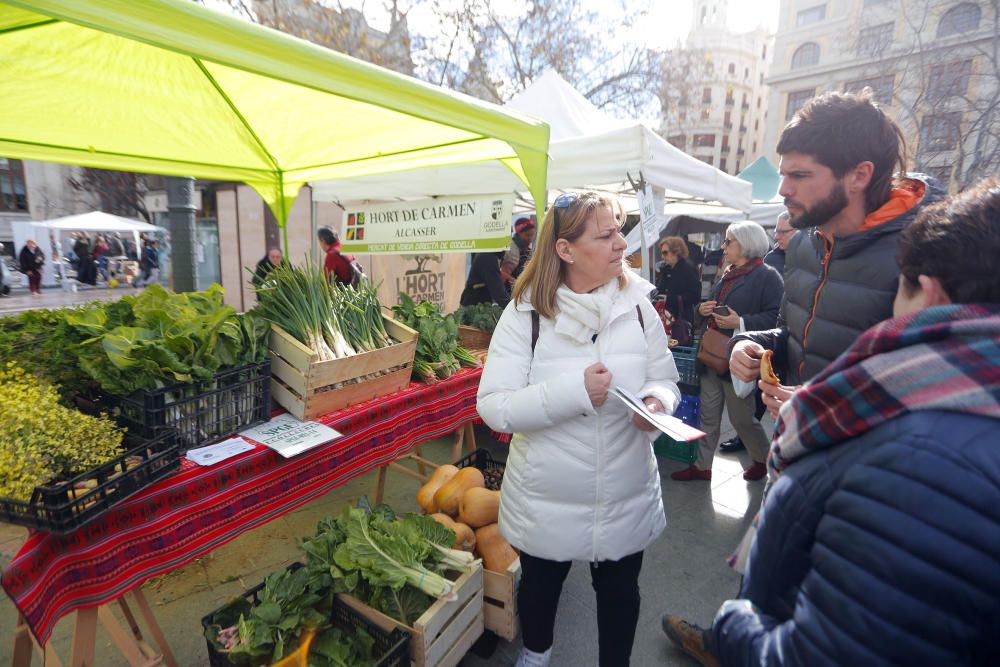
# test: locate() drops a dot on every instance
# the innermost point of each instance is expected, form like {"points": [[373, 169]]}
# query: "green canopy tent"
{"points": [[171, 87]]}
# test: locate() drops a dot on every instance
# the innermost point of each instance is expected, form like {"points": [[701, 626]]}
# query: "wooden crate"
{"points": [[301, 384], [446, 631], [500, 600], [474, 339]]}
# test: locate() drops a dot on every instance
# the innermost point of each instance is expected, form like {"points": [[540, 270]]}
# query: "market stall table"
{"points": [[198, 509]]}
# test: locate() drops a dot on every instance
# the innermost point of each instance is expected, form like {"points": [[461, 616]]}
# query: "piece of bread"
{"points": [[767, 368]]}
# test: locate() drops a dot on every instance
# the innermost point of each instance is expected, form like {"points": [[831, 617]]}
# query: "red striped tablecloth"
{"points": [[198, 509]]}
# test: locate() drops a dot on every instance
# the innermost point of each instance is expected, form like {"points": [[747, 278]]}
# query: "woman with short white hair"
{"points": [[747, 297]]}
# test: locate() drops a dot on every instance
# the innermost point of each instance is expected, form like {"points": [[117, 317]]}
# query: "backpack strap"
{"points": [[534, 330], [535, 324]]}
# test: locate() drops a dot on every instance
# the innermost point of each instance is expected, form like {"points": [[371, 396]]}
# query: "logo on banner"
{"points": [[355, 227], [422, 283], [497, 222]]}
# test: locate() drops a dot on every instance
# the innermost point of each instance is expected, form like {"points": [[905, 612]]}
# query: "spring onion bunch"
{"points": [[333, 320]]}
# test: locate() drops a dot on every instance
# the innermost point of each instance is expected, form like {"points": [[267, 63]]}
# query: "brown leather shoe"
{"points": [[689, 638], [755, 472]]}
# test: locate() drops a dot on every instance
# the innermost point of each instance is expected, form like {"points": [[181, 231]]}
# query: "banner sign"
{"points": [[475, 223]]}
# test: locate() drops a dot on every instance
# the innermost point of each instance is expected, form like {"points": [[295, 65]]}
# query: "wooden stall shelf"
{"points": [[304, 385], [447, 630], [500, 600]]}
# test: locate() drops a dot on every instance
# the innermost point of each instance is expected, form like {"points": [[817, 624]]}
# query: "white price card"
{"points": [[289, 436], [220, 451]]}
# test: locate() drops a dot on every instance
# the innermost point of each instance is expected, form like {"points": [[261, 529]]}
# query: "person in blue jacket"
{"points": [[879, 541]]}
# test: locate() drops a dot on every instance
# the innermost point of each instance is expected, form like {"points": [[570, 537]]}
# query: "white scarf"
{"points": [[581, 316]]}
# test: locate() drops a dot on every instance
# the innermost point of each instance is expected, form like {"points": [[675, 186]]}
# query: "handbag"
{"points": [[681, 329], [714, 351]]}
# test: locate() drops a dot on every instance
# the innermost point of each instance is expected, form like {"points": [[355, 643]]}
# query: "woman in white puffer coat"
{"points": [[581, 481]]}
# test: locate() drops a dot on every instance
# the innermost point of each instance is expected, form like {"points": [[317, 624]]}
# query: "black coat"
{"points": [[484, 284], [756, 297], [31, 262], [679, 282]]}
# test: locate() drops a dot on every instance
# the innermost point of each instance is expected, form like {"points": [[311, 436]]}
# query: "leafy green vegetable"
{"points": [[480, 316], [438, 354], [270, 630]]}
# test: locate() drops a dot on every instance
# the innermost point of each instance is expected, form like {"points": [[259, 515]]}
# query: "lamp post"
{"points": [[180, 213]]}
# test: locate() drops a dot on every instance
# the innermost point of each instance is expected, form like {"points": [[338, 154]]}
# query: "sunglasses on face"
{"points": [[563, 201]]}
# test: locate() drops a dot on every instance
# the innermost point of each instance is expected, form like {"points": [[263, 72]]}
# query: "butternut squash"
{"points": [[495, 550], [425, 496], [447, 498], [479, 507], [465, 538]]}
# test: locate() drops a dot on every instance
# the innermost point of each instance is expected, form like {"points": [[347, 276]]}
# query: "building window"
{"points": [[722, 164], [806, 55], [705, 113], [763, 52], [796, 100], [13, 195], [871, 3], [811, 15], [939, 132], [762, 78], [960, 18], [875, 40], [746, 73], [949, 80], [942, 174], [727, 120], [882, 87], [678, 141], [707, 159], [706, 96], [755, 148], [732, 68], [704, 140], [756, 125]]}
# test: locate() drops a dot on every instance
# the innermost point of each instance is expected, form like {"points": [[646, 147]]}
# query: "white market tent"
{"points": [[587, 149], [681, 217], [97, 221]]}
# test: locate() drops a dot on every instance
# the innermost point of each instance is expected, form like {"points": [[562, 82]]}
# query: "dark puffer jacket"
{"points": [[882, 550], [834, 290]]}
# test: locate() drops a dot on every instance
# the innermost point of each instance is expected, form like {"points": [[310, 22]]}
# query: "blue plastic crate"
{"points": [[684, 357], [685, 452]]}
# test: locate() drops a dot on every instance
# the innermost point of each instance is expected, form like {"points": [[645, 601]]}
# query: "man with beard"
{"points": [[838, 154]]}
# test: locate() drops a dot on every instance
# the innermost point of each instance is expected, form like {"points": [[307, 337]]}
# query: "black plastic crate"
{"points": [[482, 459], [202, 411], [61, 508], [393, 647]]}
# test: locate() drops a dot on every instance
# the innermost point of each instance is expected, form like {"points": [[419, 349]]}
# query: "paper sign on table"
{"points": [[672, 426], [289, 436], [220, 451]]}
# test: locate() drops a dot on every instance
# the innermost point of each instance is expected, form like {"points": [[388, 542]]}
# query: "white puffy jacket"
{"points": [[581, 482]]}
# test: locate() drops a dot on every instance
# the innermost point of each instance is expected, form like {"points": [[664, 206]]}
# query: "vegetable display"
{"points": [[149, 340], [394, 564], [480, 316], [439, 354], [333, 321], [44, 441], [159, 338], [467, 502]]}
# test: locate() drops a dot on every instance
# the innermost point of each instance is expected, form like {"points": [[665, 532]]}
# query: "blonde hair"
{"points": [[676, 245], [544, 271]]}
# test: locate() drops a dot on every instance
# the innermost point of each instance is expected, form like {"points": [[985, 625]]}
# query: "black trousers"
{"points": [[616, 583]]}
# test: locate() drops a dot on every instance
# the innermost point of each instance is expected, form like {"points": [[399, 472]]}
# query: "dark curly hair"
{"points": [[957, 241], [842, 130]]}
